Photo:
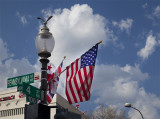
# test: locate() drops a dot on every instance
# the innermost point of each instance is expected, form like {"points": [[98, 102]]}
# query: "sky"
{"points": [[128, 62]]}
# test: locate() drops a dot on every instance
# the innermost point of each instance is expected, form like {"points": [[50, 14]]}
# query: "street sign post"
{"points": [[30, 99], [28, 78], [31, 91]]}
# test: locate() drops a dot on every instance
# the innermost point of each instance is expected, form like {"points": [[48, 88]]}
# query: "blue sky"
{"points": [[128, 62]]}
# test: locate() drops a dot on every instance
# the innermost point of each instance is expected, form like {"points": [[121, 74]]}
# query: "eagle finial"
{"points": [[45, 22]]}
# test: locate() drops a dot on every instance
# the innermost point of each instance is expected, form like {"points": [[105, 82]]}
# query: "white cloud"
{"points": [[154, 15], [145, 5], [12, 67], [124, 25], [4, 51], [157, 12], [113, 84], [23, 19], [147, 103], [76, 30], [149, 48], [116, 85]]}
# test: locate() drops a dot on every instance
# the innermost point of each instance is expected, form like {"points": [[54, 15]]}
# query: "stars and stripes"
{"points": [[79, 76]]}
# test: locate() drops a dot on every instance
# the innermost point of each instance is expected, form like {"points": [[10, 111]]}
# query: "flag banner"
{"points": [[77, 106], [53, 78], [79, 76], [50, 74], [84, 112], [7, 98]]}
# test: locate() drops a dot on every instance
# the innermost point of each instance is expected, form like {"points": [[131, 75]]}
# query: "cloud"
{"points": [[157, 12], [147, 103], [113, 84], [145, 5], [149, 48], [4, 51], [124, 25], [154, 15], [76, 30], [23, 19], [10, 67]]}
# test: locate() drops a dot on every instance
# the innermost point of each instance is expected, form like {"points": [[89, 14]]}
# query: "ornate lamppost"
{"points": [[44, 45]]}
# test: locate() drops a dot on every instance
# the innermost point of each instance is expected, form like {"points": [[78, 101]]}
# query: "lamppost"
{"points": [[130, 106], [44, 45]]}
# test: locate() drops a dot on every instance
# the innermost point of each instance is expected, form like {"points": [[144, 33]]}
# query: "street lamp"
{"points": [[44, 45], [130, 106]]}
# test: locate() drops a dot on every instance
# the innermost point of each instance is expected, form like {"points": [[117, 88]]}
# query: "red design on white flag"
{"points": [[51, 74]]}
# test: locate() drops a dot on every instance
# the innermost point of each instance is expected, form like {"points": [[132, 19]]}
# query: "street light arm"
{"points": [[138, 111]]}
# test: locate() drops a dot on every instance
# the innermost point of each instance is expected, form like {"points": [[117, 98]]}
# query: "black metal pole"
{"points": [[44, 86], [138, 111]]}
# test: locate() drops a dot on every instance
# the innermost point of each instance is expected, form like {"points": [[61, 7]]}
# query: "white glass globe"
{"points": [[45, 42]]}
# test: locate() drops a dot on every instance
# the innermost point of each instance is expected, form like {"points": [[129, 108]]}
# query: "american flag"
{"points": [[79, 76], [53, 82]]}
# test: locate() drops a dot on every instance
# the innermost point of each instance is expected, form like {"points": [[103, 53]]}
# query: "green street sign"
{"points": [[19, 88], [30, 99], [31, 91], [28, 78]]}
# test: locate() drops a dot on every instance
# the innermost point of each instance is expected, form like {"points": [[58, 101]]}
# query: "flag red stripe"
{"points": [[76, 98], [70, 83], [85, 82], [68, 97], [91, 74], [77, 89], [82, 86], [76, 78], [89, 82]]}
